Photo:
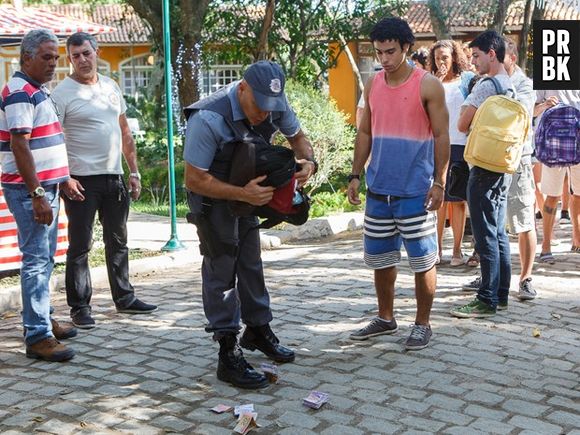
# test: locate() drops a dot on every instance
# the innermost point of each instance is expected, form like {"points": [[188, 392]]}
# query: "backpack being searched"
{"points": [[499, 128], [557, 138], [289, 204]]}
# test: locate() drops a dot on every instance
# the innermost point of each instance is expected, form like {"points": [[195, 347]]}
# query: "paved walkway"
{"points": [[156, 374]]}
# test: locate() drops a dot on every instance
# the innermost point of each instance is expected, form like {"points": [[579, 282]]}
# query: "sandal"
{"points": [[547, 257], [457, 261], [575, 249], [473, 261]]}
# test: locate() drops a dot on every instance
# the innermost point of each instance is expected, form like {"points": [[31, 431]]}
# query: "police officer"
{"points": [[233, 287]]}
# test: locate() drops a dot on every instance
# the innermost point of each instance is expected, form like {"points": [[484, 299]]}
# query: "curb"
{"points": [[269, 239]]}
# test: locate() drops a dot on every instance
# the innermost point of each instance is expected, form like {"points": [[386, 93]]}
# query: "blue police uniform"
{"points": [[233, 284]]}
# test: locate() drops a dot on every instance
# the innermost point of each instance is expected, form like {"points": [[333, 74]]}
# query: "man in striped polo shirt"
{"points": [[34, 162]]}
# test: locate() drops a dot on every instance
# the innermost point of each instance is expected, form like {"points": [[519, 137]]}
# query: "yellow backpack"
{"points": [[499, 129]]}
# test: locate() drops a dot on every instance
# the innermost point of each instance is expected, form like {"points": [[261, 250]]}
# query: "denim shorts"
{"points": [[393, 221]]}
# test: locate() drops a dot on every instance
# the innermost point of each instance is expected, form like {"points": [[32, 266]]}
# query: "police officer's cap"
{"points": [[267, 82]]}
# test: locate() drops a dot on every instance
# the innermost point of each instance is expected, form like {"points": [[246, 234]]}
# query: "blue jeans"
{"points": [[487, 201], [38, 244]]}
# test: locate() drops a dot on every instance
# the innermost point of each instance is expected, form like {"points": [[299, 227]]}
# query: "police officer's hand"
{"points": [[352, 192], [73, 189], [434, 198], [255, 194], [307, 170], [42, 211]]}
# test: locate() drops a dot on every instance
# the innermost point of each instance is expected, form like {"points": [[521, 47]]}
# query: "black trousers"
{"points": [[106, 195]]}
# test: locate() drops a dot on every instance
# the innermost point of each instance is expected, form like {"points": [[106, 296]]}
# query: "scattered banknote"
{"points": [[271, 372], [315, 399], [243, 409], [219, 409], [246, 423]]}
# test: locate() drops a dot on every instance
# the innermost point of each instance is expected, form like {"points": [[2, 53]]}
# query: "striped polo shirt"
{"points": [[402, 153], [26, 108]]}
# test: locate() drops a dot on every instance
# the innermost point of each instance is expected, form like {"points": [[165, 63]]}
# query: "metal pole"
{"points": [[173, 244]]}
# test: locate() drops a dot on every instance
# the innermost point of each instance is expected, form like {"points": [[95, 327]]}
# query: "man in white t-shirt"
{"points": [[91, 110]]}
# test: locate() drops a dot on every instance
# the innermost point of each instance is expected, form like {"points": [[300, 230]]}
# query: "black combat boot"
{"points": [[263, 339], [233, 368]]}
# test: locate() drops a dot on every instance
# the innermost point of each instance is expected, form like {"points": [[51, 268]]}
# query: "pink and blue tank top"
{"points": [[402, 155]]}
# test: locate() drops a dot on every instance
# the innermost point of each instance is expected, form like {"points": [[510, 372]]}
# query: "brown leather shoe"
{"points": [[62, 331], [49, 349]]}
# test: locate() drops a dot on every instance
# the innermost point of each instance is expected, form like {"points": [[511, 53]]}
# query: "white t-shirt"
{"points": [[89, 115], [454, 99]]}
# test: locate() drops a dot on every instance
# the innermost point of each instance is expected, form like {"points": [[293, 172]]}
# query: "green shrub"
{"points": [[326, 203], [331, 136]]}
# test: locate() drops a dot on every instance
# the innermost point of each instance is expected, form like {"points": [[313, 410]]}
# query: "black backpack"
{"points": [[278, 163]]}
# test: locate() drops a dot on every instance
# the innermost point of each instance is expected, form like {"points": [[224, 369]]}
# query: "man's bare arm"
{"points": [[439, 118], [27, 170], [303, 151], [465, 117]]}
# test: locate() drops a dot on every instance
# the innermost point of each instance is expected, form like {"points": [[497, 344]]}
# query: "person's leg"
{"points": [[505, 265], [425, 286], [552, 181], [385, 290], [564, 212], [81, 218], [458, 217], [521, 216], [441, 215], [34, 241], [252, 290], [113, 214], [382, 244], [538, 182], [575, 206]]}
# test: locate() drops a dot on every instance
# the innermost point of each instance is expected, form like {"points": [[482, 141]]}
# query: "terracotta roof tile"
{"points": [[130, 27], [462, 16]]}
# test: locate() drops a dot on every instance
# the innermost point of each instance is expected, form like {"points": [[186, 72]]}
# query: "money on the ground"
{"points": [[271, 372], [219, 409], [315, 399], [244, 409], [246, 423]]}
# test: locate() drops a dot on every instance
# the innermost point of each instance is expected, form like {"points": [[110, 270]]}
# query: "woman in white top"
{"points": [[448, 63]]}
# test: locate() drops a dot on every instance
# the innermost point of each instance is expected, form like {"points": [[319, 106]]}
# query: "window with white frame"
{"points": [[218, 76], [135, 73]]}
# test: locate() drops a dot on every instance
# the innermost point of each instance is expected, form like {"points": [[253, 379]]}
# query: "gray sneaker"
{"points": [[376, 326], [526, 291], [472, 286], [419, 338]]}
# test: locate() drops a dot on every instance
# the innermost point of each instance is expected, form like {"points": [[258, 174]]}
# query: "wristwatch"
{"points": [[136, 175], [39, 192], [353, 177]]}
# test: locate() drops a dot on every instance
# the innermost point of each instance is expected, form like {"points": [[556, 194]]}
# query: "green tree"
{"points": [[300, 33]]}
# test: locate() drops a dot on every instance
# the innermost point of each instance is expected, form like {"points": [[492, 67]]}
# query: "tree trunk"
{"points": [[438, 21], [500, 15], [262, 50], [186, 37], [523, 45]]}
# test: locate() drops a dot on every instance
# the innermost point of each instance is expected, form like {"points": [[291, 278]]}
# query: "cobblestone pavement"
{"points": [[156, 374]]}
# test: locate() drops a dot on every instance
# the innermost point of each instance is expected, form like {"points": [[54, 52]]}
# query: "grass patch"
{"points": [[159, 209], [96, 258]]}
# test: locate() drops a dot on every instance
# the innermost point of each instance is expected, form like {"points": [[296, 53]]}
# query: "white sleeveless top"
{"points": [[454, 99]]}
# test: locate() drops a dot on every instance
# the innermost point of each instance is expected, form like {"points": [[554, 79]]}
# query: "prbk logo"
{"points": [[556, 54]]}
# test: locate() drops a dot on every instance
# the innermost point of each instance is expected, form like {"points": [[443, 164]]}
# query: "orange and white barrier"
{"points": [[10, 255]]}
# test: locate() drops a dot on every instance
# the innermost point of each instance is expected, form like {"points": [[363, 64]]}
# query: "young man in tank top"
{"points": [[404, 128]]}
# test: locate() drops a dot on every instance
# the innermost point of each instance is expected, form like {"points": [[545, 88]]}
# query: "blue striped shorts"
{"points": [[392, 221]]}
